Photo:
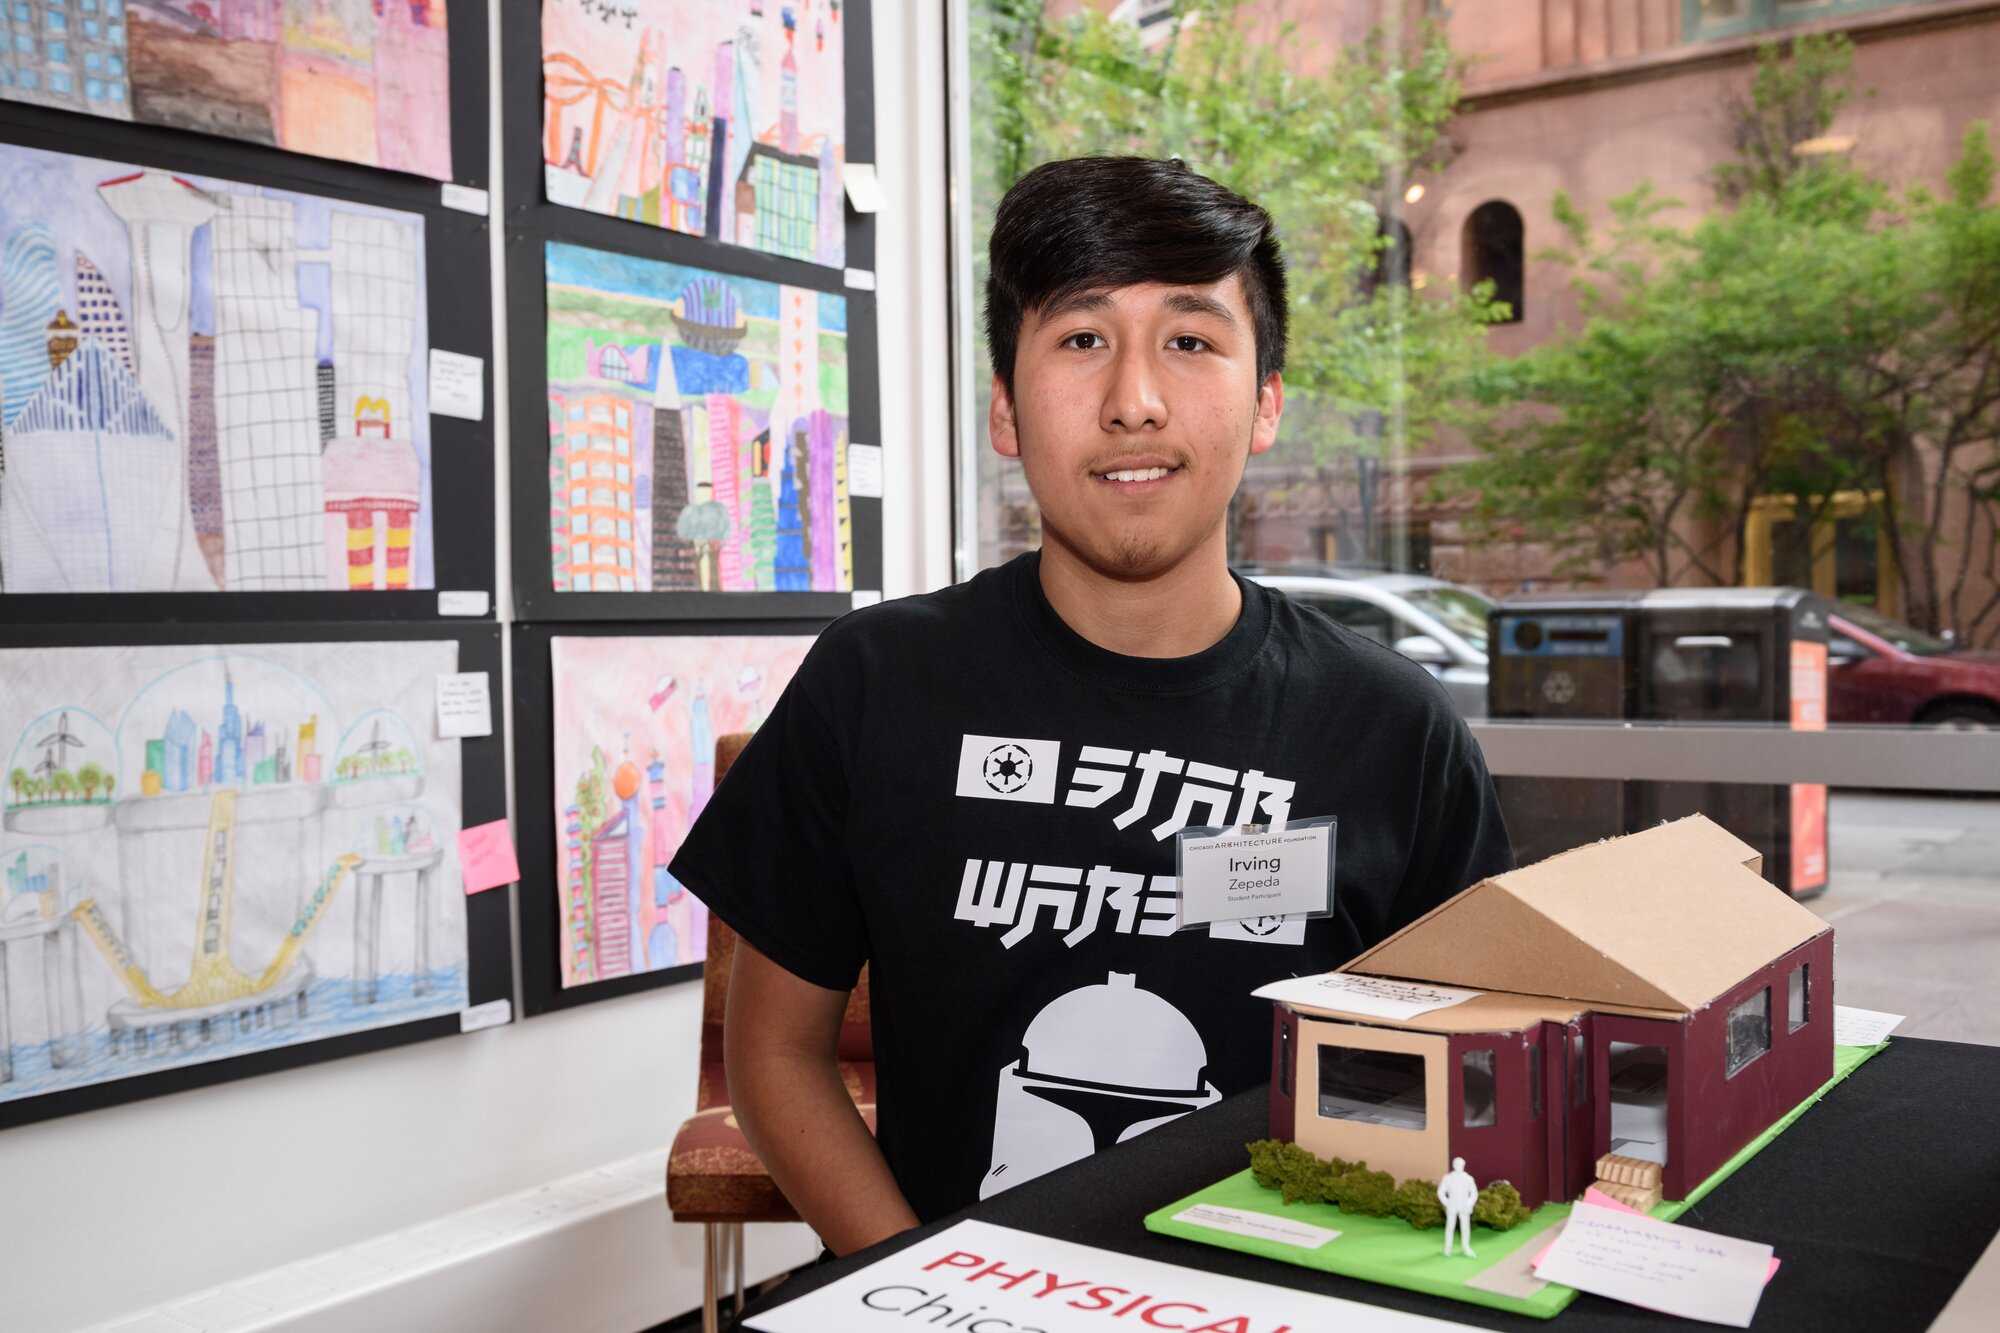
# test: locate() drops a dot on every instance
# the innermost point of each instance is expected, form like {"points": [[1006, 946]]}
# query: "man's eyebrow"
{"points": [[1076, 303], [1194, 303]]}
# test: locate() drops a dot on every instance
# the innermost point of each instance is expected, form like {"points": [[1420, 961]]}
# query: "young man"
{"points": [[976, 791]]}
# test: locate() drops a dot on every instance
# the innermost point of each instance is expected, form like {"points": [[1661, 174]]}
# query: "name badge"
{"points": [[1249, 873]]}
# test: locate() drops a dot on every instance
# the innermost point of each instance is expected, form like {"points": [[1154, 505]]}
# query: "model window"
{"points": [[1482, 1106], [1579, 1076], [1285, 1058], [1373, 1087], [1534, 1080], [1797, 1011], [1749, 1031]]}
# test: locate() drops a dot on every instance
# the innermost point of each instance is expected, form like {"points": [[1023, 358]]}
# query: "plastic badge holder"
{"points": [[1209, 833]]}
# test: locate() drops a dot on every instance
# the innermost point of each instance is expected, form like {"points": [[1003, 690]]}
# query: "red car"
{"points": [[1880, 670]]}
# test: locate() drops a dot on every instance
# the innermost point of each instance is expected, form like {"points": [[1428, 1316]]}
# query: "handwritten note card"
{"points": [[486, 857], [1862, 1027], [464, 705], [1673, 1269], [1352, 993]]}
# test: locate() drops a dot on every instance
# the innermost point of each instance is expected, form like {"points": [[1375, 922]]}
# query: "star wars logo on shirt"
{"points": [[1001, 768]]}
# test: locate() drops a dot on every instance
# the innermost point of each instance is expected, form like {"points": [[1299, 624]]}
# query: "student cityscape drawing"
{"points": [[976, 791]]}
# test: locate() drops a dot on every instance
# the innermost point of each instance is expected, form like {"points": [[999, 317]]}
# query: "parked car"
{"points": [[1440, 625], [1880, 670]]}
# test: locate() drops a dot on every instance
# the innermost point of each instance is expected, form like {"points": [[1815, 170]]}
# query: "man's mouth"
{"points": [[1136, 476]]}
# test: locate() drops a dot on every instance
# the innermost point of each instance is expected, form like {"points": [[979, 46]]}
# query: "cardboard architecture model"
{"points": [[1650, 997]]}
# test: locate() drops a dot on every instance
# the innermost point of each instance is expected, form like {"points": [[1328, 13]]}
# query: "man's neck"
{"points": [[1179, 613]]}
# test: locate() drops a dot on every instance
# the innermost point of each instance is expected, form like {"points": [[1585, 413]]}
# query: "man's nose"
{"points": [[1132, 400]]}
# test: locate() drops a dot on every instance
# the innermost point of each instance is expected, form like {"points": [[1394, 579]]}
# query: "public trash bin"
{"points": [[1701, 655]]}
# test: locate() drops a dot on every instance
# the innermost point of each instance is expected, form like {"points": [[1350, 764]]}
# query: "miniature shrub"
{"points": [[1500, 1207], [1417, 1203], [1368, 1193]]}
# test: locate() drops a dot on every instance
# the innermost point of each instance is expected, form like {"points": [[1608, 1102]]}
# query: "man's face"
{"points": [[1133, 412]]}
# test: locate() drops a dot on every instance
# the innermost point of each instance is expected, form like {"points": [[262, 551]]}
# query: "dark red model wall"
{"points": [[1714, 1116], [1515, 1147], [1284, 1073]]}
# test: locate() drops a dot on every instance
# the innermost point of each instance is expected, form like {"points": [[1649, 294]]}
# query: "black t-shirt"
{"points": [[963, 792]]}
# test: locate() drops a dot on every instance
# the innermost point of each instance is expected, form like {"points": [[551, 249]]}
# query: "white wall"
{"points": [[116, 1210]]}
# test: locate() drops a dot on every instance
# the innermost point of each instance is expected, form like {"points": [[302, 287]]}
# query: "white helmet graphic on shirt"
{"points": [[1098, 1065]]}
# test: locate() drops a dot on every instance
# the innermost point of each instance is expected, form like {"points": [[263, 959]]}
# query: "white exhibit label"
{"points": [[1862, 1027], [864, 187], [861, 279], [489, 1015], [1657, 1265], [464, 705], [464, 198], [463, 602], [976, 1275], [1261, 1226], [1234, 876], [864, 470], [458, 385], [866, 597], [1351, 993]]}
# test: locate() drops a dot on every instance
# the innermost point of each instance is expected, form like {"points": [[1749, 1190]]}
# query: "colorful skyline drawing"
{"points": [[222, 850], [365, 81], [207, 386], [718, 118], [635, 727], [698, 430]]}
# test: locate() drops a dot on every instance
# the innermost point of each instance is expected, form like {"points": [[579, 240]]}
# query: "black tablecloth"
{"points": [[1879, 1200]]}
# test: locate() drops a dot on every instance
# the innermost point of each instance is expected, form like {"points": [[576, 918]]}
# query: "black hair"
{"points": [[1095, 223]]}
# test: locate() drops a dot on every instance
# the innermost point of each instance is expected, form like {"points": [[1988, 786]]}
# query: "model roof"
{"points": [[1668, 919]]}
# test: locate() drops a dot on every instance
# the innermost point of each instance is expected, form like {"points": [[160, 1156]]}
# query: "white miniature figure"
{"points": [[1458, 1192]]}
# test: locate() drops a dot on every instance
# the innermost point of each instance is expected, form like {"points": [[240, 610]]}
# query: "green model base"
{"points": [[1389, 1250]]}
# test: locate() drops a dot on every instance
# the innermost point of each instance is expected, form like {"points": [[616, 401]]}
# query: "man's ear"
{"points": [[1270, 408], [1000, 427]]}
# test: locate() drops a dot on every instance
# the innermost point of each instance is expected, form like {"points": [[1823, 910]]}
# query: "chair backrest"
{"points": [[856, 1040]]}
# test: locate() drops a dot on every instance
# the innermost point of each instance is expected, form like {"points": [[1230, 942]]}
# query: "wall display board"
{"points": [[366, 81], [226, 853], [712, 118], [704, 394], [208, 386], [698, 430], [610, 787]]}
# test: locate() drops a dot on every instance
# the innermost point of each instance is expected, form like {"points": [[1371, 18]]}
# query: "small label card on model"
{"points": [[1260, 1226], [1646, 1262], [977, 1276], [1234, 875], [1352, 993], [1862, 1027]]}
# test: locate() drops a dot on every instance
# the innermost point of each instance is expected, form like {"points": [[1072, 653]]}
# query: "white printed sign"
{"points": [[1001, 1279], [1233, 876], [1862, 1027], [1646, 1262], [864, 471], [1352, 993], [1259, 1226]]}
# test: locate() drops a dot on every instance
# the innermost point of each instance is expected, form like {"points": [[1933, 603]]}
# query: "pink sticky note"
{"points": [[486, 856], [1603, 1200]]}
